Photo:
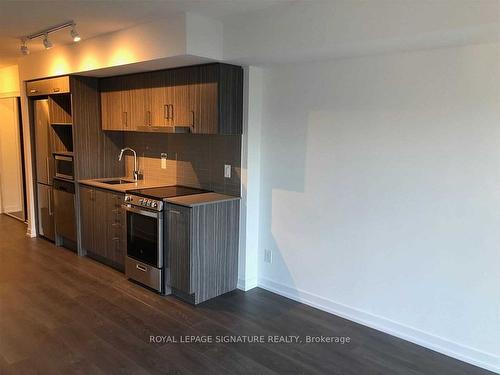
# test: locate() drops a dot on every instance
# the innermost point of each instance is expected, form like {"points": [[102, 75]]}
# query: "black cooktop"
{"points": [[166, 192]]}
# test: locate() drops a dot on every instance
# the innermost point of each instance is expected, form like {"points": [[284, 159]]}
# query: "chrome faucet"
{"points": [[136, 170]]}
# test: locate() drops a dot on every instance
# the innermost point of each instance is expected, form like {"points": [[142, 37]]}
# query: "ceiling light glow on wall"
{"points": [[45, 35]]}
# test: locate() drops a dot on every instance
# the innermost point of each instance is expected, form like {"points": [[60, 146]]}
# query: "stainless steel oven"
{"points": [[64, 166], [147, 251], [145, 245]]}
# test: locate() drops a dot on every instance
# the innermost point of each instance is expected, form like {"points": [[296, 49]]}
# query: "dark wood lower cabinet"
{"points": [[203, 249], [178, 232], [116, 227], [87, 218], [103, 230]]}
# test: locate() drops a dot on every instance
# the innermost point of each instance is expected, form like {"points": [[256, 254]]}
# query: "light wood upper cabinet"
{"points": [[206, 98], [180, 113], [203, 99], [123, 102], [111, 104], [135, 97], [161, 98], [47, 86], [169, 98]]}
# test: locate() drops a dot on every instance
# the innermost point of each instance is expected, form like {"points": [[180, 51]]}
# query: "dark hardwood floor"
{"points": [[62, 314]]}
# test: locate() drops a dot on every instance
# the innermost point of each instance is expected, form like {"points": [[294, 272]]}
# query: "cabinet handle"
{"points": [[32, 91], [148, 121], [172, 112], [124, 119], [141, 268], [166, 111], [56, 89], [192, 114]]}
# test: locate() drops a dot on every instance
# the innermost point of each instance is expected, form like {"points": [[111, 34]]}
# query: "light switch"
{"points": [[227, 171], [268, 256]]}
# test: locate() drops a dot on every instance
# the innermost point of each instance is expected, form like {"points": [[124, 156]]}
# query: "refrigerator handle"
{"points": [[50, 201], [47, 162]]}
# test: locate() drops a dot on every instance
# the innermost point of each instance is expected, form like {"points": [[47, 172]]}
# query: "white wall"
{"points": [[11, 183], [380, 193], [250, 179], [9, 81], [9, 88]]}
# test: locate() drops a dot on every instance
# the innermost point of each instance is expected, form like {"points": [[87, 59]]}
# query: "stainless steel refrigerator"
{"points": [[44, 168]]}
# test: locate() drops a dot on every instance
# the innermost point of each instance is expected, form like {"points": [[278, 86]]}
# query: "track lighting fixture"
{"points": [[74, 34], [45, 35], [24, 48], [46, 42]]}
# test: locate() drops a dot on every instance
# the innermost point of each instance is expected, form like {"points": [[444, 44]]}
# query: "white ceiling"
{"points": [[271, 31], [332, 29], [19, 18]]}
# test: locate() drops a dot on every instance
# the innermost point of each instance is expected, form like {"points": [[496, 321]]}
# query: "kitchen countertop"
{"points": [[122, 188], [200, 199], [184, 200]]}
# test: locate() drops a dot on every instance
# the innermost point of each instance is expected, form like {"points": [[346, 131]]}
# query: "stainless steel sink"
{"points": [[118, 181]]}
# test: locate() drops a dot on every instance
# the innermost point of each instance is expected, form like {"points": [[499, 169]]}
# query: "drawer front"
{"points": [[144, 274], [117, 236]]}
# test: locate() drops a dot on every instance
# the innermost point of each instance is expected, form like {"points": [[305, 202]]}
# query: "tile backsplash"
{"points": [[193, 160]]}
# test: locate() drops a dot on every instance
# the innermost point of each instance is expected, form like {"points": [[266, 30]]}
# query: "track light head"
{"points": [[46, 42], [74, 34], [24, 48]]}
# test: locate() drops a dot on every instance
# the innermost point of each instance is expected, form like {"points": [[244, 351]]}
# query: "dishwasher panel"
{"points": [[64, 209]]}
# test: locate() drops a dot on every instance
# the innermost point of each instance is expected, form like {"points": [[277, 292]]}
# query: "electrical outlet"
{"points": [[227, 171], [164, 157], [268, 256]]}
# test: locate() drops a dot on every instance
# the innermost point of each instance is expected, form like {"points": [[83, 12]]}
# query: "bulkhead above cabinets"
{"points": [[202, 99]]}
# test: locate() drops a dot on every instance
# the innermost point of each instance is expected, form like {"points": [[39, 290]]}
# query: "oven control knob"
{"points": [[141, 201], [154, 204], [128, 198], [148, 203]]}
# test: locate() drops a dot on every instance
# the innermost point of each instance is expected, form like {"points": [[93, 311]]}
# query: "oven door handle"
{"points": [[153, 214]]}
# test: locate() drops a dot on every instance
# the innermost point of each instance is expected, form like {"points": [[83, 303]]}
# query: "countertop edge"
{"points": [[123, 188], [190, 201], [212, 198]]}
